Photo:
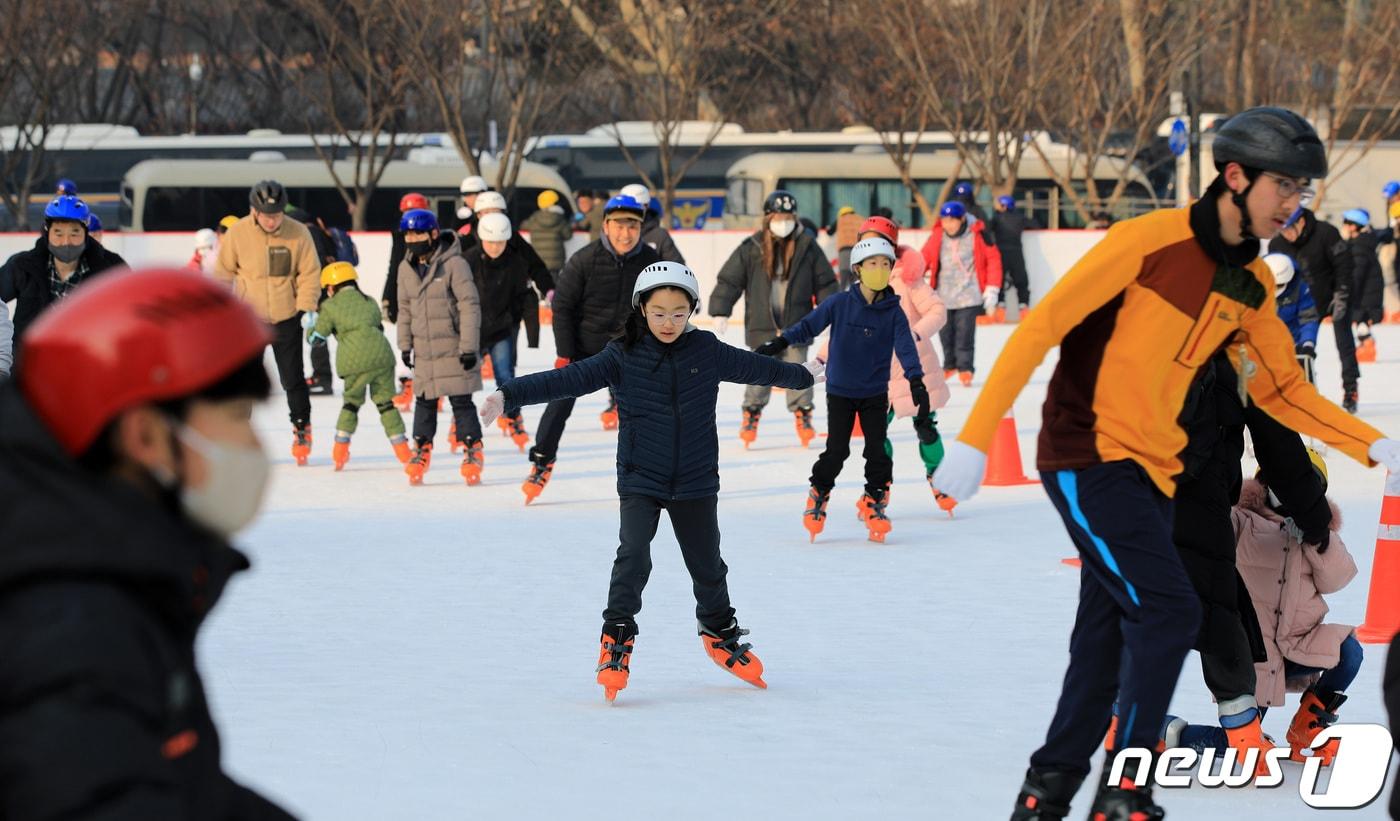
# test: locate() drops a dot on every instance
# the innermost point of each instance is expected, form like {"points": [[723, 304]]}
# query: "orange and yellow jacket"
{"points": [[1135, 319]]}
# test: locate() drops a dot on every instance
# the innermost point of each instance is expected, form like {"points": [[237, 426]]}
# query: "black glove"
{"points": [[468, 360], [919, 393], [923, 426], [407, 357], [772, 347]]}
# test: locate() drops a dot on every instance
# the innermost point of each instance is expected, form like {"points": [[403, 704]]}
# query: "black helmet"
{"points": [[780, 201], [1269, 138], [268, 197]]}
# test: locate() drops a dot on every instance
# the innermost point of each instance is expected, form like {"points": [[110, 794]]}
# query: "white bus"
{"points": [[185, 195]]}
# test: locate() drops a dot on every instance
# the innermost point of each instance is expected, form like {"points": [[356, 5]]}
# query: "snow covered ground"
{"points": [[428, 653]]}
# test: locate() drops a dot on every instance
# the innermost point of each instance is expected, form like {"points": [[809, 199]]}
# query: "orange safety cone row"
{"points": [[1383, 601], [1004, 458]]}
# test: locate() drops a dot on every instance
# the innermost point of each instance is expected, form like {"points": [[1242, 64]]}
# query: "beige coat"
{"points": [[1286, 581], [439, 320], [277, 274]]}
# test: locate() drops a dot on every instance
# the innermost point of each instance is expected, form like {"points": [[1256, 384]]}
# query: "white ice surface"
{"points": [[428, 653]]}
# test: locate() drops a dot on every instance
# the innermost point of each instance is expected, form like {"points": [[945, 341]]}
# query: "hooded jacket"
{"points": [[810, 281], [24, 278], [863, 335], [103, 591], [439, 320]]}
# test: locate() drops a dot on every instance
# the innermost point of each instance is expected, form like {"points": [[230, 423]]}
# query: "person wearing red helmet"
{"points": [[128, 459]]}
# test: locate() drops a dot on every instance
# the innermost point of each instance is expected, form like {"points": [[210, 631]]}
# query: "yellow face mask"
{"points": [[875, 273]]}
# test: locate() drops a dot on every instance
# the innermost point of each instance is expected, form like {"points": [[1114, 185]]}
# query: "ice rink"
{"points": [[428, 653]]}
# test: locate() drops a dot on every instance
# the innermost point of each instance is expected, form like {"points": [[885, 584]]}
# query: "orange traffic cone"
{"points": [[1004, 458], [1383, 602]]}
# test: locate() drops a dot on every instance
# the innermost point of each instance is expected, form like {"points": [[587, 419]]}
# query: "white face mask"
{"points": [[781, 228], [233, 489]]}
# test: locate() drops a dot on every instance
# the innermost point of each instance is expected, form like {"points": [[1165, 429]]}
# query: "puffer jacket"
{"points": [[1287, 580], [863, 335], [277, 274], [594, 296], [440, 319], [667, 444], [24, 278], [354, 319], [810, 280], [549, 230]]}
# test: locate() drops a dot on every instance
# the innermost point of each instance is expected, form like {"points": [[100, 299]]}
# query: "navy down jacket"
{"points": [[863, 335], [667, 445]]}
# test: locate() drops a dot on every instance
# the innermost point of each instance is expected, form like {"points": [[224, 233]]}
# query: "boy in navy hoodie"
{"points": [[867, 325]]}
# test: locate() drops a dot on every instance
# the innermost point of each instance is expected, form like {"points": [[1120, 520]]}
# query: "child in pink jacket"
{"points": [[1287, 580]]}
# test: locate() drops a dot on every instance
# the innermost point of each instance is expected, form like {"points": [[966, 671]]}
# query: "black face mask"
{"points": [[419, 249]]}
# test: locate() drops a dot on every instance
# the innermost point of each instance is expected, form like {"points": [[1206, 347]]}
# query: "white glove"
{"points": [[1387, 452], [492, 406], [989, 304], [721, 325], [817, 369], [961, 471]]}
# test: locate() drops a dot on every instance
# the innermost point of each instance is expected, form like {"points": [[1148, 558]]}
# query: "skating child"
{"points": [[866, 327], [965, 270], [439, 328], [1287, 579], [666, 376], [363, 358]]}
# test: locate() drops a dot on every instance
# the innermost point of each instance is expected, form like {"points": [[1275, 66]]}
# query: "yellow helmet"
{"points": [[547, 198], [337, 273], [228, 222]]}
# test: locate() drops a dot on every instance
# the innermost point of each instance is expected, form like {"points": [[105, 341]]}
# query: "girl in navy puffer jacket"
{"points": [[665, 375]]}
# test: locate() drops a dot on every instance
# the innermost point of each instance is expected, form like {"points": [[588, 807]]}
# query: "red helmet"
{"points": [[411, 201], [883, 226], [128, 338]]}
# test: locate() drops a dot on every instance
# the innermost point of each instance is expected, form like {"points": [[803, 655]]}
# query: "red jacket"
{"points": [[985, 258]]}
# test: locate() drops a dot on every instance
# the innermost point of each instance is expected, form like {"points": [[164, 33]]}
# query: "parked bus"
{"points": [[185, 195], [867, 180]]}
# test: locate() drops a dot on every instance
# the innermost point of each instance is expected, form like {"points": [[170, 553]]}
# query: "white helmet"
{"points": [[494, 227], [663, 273], [872, 247], [637, 191], [205, 238], [473, 185], [490, 201], [1282, 266]]}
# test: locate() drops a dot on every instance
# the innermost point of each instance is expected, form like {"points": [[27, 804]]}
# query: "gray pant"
{"points": [[757, 396]]}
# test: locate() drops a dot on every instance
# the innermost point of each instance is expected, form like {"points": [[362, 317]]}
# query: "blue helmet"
{"points": [[66, 186], [625, 204], [956, 210], [67, 207], [1007, 202], [1359, 217], [418, 219], [94, 224], [1391, 189], [963, 189]]}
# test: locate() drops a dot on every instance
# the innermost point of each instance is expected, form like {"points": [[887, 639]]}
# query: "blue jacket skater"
{"points": [[863, 335], [667, 444]]}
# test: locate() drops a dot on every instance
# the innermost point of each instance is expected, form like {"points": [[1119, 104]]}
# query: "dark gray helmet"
{"points": [[268, 197], [1269, 138]]}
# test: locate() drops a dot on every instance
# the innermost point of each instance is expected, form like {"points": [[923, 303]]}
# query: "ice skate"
{"points": [[340, 452], [418, 465], [748, 431], [814, 517], [1317, 712], [403, 400], [515, 426], [723, 648], [472, 463], [615, 657], [1045, 796], [871, 510], [802, 418], [539, 477], [609, 415], [301, 442]]}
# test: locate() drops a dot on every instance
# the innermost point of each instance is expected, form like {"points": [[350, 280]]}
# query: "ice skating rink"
{"points": [[428, 653]]}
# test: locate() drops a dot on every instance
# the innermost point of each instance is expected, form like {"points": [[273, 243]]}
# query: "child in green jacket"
{"points": [[363, 358]]}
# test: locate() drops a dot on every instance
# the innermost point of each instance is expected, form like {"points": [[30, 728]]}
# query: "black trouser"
{"points": [[463, 413], [958, 337], [321, 363], [1138, 614], [696, 525], [1015, 267], [841, 414], [1346, 349], [291, 369]]}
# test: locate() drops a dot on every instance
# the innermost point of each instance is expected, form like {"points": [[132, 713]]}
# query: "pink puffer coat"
{"points": [[1286, 580], [926, 315]]}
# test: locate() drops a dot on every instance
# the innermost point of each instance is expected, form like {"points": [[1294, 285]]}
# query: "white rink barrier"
{"points": [[1048, 253]]}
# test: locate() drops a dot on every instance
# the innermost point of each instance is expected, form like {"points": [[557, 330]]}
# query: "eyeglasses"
{"points": [[664, 319], [1288, 188]]}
